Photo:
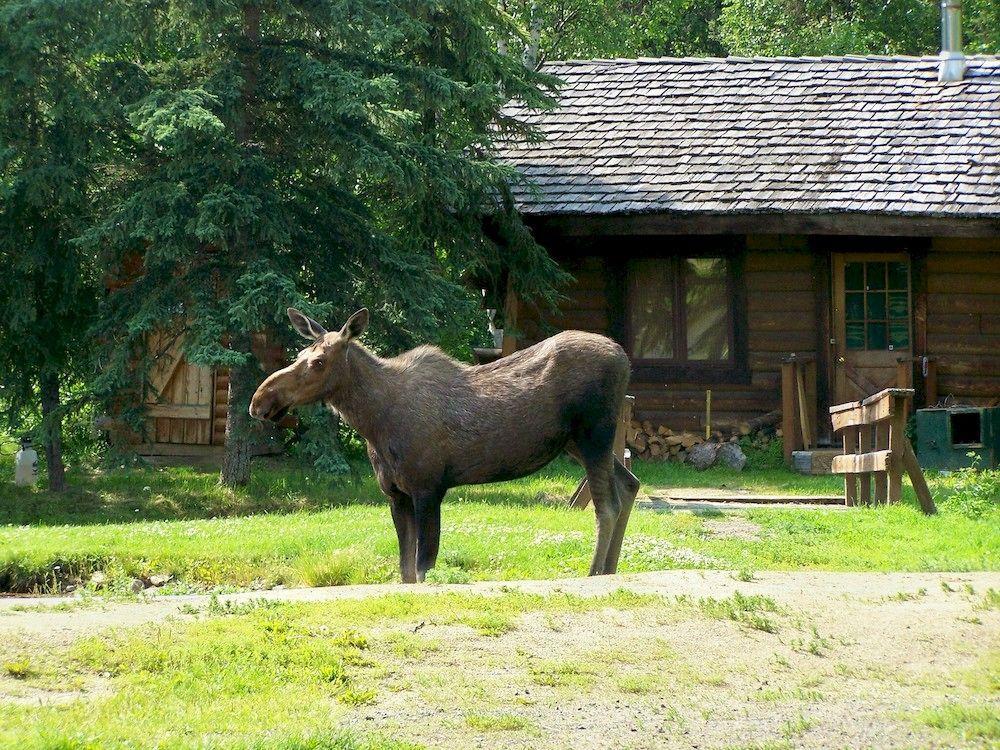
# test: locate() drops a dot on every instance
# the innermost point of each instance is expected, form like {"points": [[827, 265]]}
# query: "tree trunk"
{"points": [[49, 387], [240, 433], [241, 437]]}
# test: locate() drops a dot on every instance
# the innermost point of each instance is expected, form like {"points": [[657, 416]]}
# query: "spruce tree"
{"points": [[325, 155], [54, 128]]}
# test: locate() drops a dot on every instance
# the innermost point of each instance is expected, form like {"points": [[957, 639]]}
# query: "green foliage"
{"points": [[319, 440], [675, 28], [973, 492]]}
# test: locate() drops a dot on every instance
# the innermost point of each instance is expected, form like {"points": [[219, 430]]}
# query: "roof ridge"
{"points": [[761, 58]]}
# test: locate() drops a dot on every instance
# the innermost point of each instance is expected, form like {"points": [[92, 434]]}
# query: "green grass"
{"points": [[968, 721], [252, 672], [297, 528]]}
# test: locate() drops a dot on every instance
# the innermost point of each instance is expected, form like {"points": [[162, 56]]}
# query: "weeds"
{"points": [[746, 610], [503, 722]]}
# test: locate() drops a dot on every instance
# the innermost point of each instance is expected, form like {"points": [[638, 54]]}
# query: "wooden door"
{"points": [[872, 319], [179, 409]]}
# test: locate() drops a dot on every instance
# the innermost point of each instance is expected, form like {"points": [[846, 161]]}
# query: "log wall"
{"points": [[780, 319], [963, 318]]}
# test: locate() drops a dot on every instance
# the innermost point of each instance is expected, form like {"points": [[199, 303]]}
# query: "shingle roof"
{"points": [[814, 135]]}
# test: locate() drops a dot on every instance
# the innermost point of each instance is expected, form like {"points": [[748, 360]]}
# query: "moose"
{"points": [[432, 423]]}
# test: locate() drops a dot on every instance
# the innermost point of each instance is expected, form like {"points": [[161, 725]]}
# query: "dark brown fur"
{"points": [[433, 423]]}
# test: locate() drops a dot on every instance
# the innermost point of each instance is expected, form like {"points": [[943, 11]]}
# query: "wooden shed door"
{"points": [[182, 411], [872, 321]]}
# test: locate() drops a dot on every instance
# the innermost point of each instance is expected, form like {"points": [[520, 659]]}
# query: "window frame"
{"points": [[732, 370]]}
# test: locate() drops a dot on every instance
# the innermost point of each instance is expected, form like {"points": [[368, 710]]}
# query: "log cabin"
{"points": [[730, 220]]}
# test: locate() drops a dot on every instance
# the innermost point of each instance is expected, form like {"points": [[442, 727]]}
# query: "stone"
{"points": [[732, 457], [703, 455], [98, 579], [159, 579], [137, 585]]}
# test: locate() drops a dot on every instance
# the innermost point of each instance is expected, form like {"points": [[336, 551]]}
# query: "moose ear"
{"points": [[356, 324], [306, 326]]}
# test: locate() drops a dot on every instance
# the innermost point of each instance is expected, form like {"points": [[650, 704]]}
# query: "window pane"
{"points": [[899, 306], [855, 306], [899, 335], [877, 336], [855, 335], [875, 273], [651, 309], [899, 277], [876, 305], [854, 276], [706, 301]]}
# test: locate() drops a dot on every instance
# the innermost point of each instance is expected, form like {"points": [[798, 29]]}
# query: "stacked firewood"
{"points": [[660, 443]]}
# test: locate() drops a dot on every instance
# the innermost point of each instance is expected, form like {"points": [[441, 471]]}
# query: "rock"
{"points": [[159, 579], [98, 579], [137, 585], [703, 455], [732, 457]]}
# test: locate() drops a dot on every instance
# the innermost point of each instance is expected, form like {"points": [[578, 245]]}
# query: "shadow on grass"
{"points": [[276, 487]]}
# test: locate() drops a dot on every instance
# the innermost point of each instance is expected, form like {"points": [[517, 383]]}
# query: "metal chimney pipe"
{"points": [[952, 62]]}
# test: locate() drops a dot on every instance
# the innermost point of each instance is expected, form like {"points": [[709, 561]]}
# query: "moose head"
{"points": [[318, 369]]}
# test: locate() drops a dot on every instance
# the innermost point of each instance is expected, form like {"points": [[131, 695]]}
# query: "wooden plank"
{"points": [[881, 478], [897, 435], [845, 223], [861, 463], [180, 411], [917, 479], [804, 408], [850, 437], [865, 445], [875, 408], [788, 410]]}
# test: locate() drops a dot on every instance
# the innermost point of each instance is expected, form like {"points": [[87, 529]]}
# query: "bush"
{"points": [[974, 493]]}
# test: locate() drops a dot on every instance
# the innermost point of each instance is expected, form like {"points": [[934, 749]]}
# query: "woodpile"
{"points": [[660, 443]]}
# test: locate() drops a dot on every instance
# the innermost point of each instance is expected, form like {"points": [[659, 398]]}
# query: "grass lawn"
{"points": [[294, 527]]}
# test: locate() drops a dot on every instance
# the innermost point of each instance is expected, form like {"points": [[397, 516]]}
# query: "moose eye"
{"points": [[317, 363]]}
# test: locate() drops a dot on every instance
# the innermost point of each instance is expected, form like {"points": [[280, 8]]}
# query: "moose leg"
{"points": [[628, 487], [406, 532], [607, 507], [428, 518]]}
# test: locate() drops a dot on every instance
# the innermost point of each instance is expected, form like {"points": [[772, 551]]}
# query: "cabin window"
{"points": [[680, 310]]}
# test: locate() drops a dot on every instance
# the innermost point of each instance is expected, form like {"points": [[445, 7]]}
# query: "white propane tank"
{"points": [[25, 465]]}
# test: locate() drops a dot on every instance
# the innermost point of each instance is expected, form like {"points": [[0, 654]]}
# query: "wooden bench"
{"points": [[876, 450]]}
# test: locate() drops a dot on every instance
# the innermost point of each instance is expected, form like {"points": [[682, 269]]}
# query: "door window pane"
{"points": [[899, 335], [875, 275], [877, 336], [855, 307], [706, 301], [854, 276], [899, 305], [899, 276], [876, 305], [855, 335], [651, 309]]}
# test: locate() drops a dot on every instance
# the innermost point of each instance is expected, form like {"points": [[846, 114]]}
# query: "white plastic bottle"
{"points": [[25, 465]]}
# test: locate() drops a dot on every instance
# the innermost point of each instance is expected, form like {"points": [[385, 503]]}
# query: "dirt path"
{"points": [[59, 620], [838, 660]]}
